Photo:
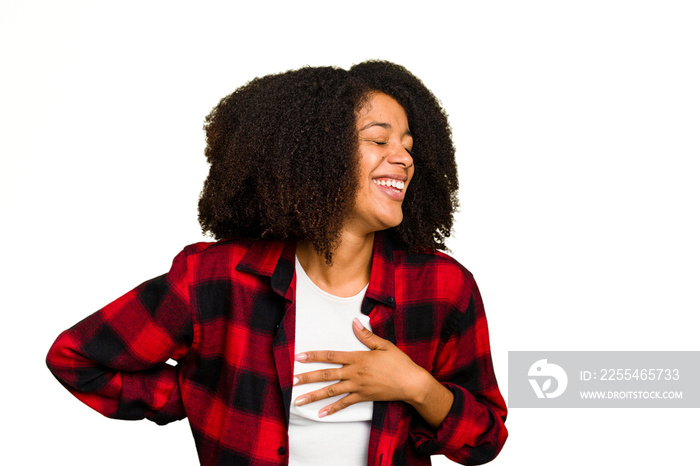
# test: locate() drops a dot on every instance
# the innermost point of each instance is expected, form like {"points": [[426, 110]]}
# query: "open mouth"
{"points": [[390, 183]]}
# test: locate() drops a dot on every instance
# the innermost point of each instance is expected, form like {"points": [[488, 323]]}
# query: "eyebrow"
{"points": [[382, 125]]}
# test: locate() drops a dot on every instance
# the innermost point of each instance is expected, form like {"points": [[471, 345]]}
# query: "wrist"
{"points": [[424, 384], [431, 399]]}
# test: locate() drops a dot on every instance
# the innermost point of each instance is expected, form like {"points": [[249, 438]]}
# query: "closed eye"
{"points": [[374, 141]]}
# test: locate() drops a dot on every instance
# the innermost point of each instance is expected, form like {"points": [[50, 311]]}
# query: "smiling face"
{"points": [[386, 165]]}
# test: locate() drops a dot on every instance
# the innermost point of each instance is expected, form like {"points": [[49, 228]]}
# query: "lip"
{"points": [[398, 177], [388, 191]]}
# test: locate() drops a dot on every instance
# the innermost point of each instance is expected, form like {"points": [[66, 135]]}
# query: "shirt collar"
{"points": [[275, 259], [381, 279]]}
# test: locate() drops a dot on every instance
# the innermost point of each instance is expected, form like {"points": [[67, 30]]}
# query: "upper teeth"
{"points": [[393, 183]]}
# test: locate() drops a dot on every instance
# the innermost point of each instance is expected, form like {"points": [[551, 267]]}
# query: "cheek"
{"points": [[411, 174], [363, 164]]}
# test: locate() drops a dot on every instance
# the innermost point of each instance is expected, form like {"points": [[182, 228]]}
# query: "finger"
{"points": [[323, 393], [367, 338], [334, 357], [342, 403], [321, 375]]}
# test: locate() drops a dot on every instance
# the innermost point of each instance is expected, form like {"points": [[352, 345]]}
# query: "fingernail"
{"points": [[300, 357], [323, 413], [300, 401], [358, 324], [295, 381]]}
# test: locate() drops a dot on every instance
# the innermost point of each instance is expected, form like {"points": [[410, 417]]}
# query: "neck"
{"points": [[349, 273]]}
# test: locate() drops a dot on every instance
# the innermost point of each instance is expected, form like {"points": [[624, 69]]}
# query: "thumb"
{"points": [[363, 334]]}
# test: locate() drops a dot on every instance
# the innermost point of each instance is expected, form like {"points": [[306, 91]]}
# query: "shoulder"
{"points": [[434, 273], [224, 256], [436, 262], [222, 248]]}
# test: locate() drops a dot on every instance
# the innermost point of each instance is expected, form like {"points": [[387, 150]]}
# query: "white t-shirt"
{"points": [[324, 322]]}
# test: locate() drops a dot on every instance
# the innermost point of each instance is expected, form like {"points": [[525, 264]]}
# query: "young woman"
{"points": [[324, 326]]}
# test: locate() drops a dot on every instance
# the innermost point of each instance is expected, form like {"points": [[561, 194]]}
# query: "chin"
{"points": [[393, 221]]}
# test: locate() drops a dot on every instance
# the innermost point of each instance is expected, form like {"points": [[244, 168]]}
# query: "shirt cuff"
{"points": [[466, 430]]}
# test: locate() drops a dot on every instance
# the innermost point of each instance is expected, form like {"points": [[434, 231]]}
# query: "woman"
{"points": [[330, 192]]}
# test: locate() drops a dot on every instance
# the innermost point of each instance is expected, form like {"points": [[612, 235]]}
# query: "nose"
{"points": [[400, 156]]}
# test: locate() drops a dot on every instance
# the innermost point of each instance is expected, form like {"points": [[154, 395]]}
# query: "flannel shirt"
{"points": [[225, 312]]}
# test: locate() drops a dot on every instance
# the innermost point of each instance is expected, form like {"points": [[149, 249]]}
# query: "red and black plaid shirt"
{"points": [[226, 313]]}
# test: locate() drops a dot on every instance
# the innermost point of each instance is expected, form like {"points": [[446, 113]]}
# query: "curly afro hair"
{"points": [[284, 164]]}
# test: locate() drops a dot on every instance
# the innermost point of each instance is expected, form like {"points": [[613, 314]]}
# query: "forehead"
{"points": [[383, 109]]}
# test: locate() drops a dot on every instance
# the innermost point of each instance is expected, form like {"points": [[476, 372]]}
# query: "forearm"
{"points": [[151, 392], [473, 429], [431, 399], [115, 359]]}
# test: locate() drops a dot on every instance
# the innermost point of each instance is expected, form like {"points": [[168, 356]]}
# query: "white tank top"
{"points": [[324, 322]]}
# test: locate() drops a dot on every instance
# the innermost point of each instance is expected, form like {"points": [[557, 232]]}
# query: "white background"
{"points": [[577, 130]]}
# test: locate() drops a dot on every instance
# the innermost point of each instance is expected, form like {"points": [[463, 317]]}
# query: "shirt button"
{"points": [[390, 300], [281, 450]]}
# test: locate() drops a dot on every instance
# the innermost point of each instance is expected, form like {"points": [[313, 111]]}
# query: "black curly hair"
{"points": [[284, 164]]}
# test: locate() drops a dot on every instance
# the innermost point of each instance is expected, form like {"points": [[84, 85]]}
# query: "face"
{"points": [[386, 165]]}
